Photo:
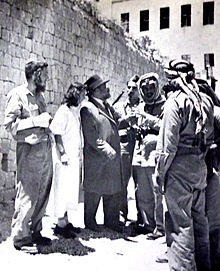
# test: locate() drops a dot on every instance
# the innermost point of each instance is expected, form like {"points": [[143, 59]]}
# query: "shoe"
{"points": [[65, 232], [162, 258], [93, 228], [70, 227], [143, 230], [29, 248], [38, 239], [118, 229], [155, 235]]}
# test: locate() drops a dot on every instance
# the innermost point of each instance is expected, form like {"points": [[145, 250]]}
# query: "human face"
{"points": [[103, 92], [149, 91], [133, 93], [82, 95], [40, 79]]}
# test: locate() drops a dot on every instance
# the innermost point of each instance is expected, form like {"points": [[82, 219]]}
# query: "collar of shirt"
{"points": [[27, 91], [99, 101]]}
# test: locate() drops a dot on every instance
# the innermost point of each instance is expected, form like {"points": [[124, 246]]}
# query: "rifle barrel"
{"points": [[118, 98]]}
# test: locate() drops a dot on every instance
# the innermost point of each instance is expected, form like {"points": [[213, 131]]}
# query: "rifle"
{"points": [[118, 98]]}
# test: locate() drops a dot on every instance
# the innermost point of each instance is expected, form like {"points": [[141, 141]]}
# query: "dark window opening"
{"points": [[144, 20], [125, 21], [186, 57], [208, 13], [185, 15], [164, 18], [209, 60]]}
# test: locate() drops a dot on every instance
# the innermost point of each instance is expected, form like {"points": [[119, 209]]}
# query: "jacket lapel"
{"points": [[102, 110]]}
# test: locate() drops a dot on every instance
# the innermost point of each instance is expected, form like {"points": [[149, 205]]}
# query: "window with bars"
{"points": [[185, 15], [144, 20], [164, 18], [125, 21], [208, 13]]}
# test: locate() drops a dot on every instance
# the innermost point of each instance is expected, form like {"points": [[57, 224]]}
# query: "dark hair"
{"points": [[71, 97], [33, 66]]}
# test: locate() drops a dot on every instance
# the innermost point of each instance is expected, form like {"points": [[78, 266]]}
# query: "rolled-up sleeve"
{"points": [[12, 113], [14, 121], [168, 137], [59, 122]]}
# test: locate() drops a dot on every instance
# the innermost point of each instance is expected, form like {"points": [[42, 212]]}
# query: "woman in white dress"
{"points": [[68, 158]]}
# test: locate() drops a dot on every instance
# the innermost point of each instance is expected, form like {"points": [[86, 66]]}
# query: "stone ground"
{"points": [[103, 251]]}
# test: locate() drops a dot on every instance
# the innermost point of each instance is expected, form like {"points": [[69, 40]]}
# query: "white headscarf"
{"points": [[150, 78]]}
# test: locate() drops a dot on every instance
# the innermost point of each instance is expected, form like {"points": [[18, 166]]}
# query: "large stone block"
{"points": [[5, 145], [5, 7], [2, 19], [12, 165], [2, 179], [28, 44], [7, 60], [1, 194], [9, 195], [16, 62], [4, 72], [5, 34], [37, 48], [10, 181]]}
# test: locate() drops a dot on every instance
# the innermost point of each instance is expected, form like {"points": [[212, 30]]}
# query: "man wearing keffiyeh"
{"points": [[149, 114], [185, 135]]}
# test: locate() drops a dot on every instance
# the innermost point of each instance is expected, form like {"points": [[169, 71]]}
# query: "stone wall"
{"points": [[75, 41]]}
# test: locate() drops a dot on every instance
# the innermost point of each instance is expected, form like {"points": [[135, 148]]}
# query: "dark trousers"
{"points": [[111, 206], [126, 160], [213, 214]]}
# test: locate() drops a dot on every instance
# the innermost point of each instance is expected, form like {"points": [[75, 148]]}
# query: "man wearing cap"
{"points": [[27, 120], [150, 114], [185, 135], [102, 169], [127, 131]]}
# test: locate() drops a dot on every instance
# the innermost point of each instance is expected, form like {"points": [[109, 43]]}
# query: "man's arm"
{"points": [[13, 112], [168, 138]]}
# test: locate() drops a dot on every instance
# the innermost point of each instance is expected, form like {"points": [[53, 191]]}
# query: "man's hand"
{"points": [[158, 184], [32, 139], [150, 140], [131, 118], [112, 154], [64, 159]]}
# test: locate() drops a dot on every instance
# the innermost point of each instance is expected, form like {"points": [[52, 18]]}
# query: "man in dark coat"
{"points": [[102, 169]]}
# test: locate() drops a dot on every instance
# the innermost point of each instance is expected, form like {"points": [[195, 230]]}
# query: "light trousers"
{"points": [[34, 178]]}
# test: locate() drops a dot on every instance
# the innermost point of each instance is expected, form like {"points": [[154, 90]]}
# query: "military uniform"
{"points": [[181, 149]]}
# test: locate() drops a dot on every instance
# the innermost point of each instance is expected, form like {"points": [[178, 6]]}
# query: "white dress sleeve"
{"points": [[59, 122]]}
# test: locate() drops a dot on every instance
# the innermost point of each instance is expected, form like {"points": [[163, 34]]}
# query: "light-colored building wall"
{"points": [[175, 41], [75, 43]]}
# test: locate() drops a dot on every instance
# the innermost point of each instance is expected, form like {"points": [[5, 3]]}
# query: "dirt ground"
{"points": [[89, 251]]}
